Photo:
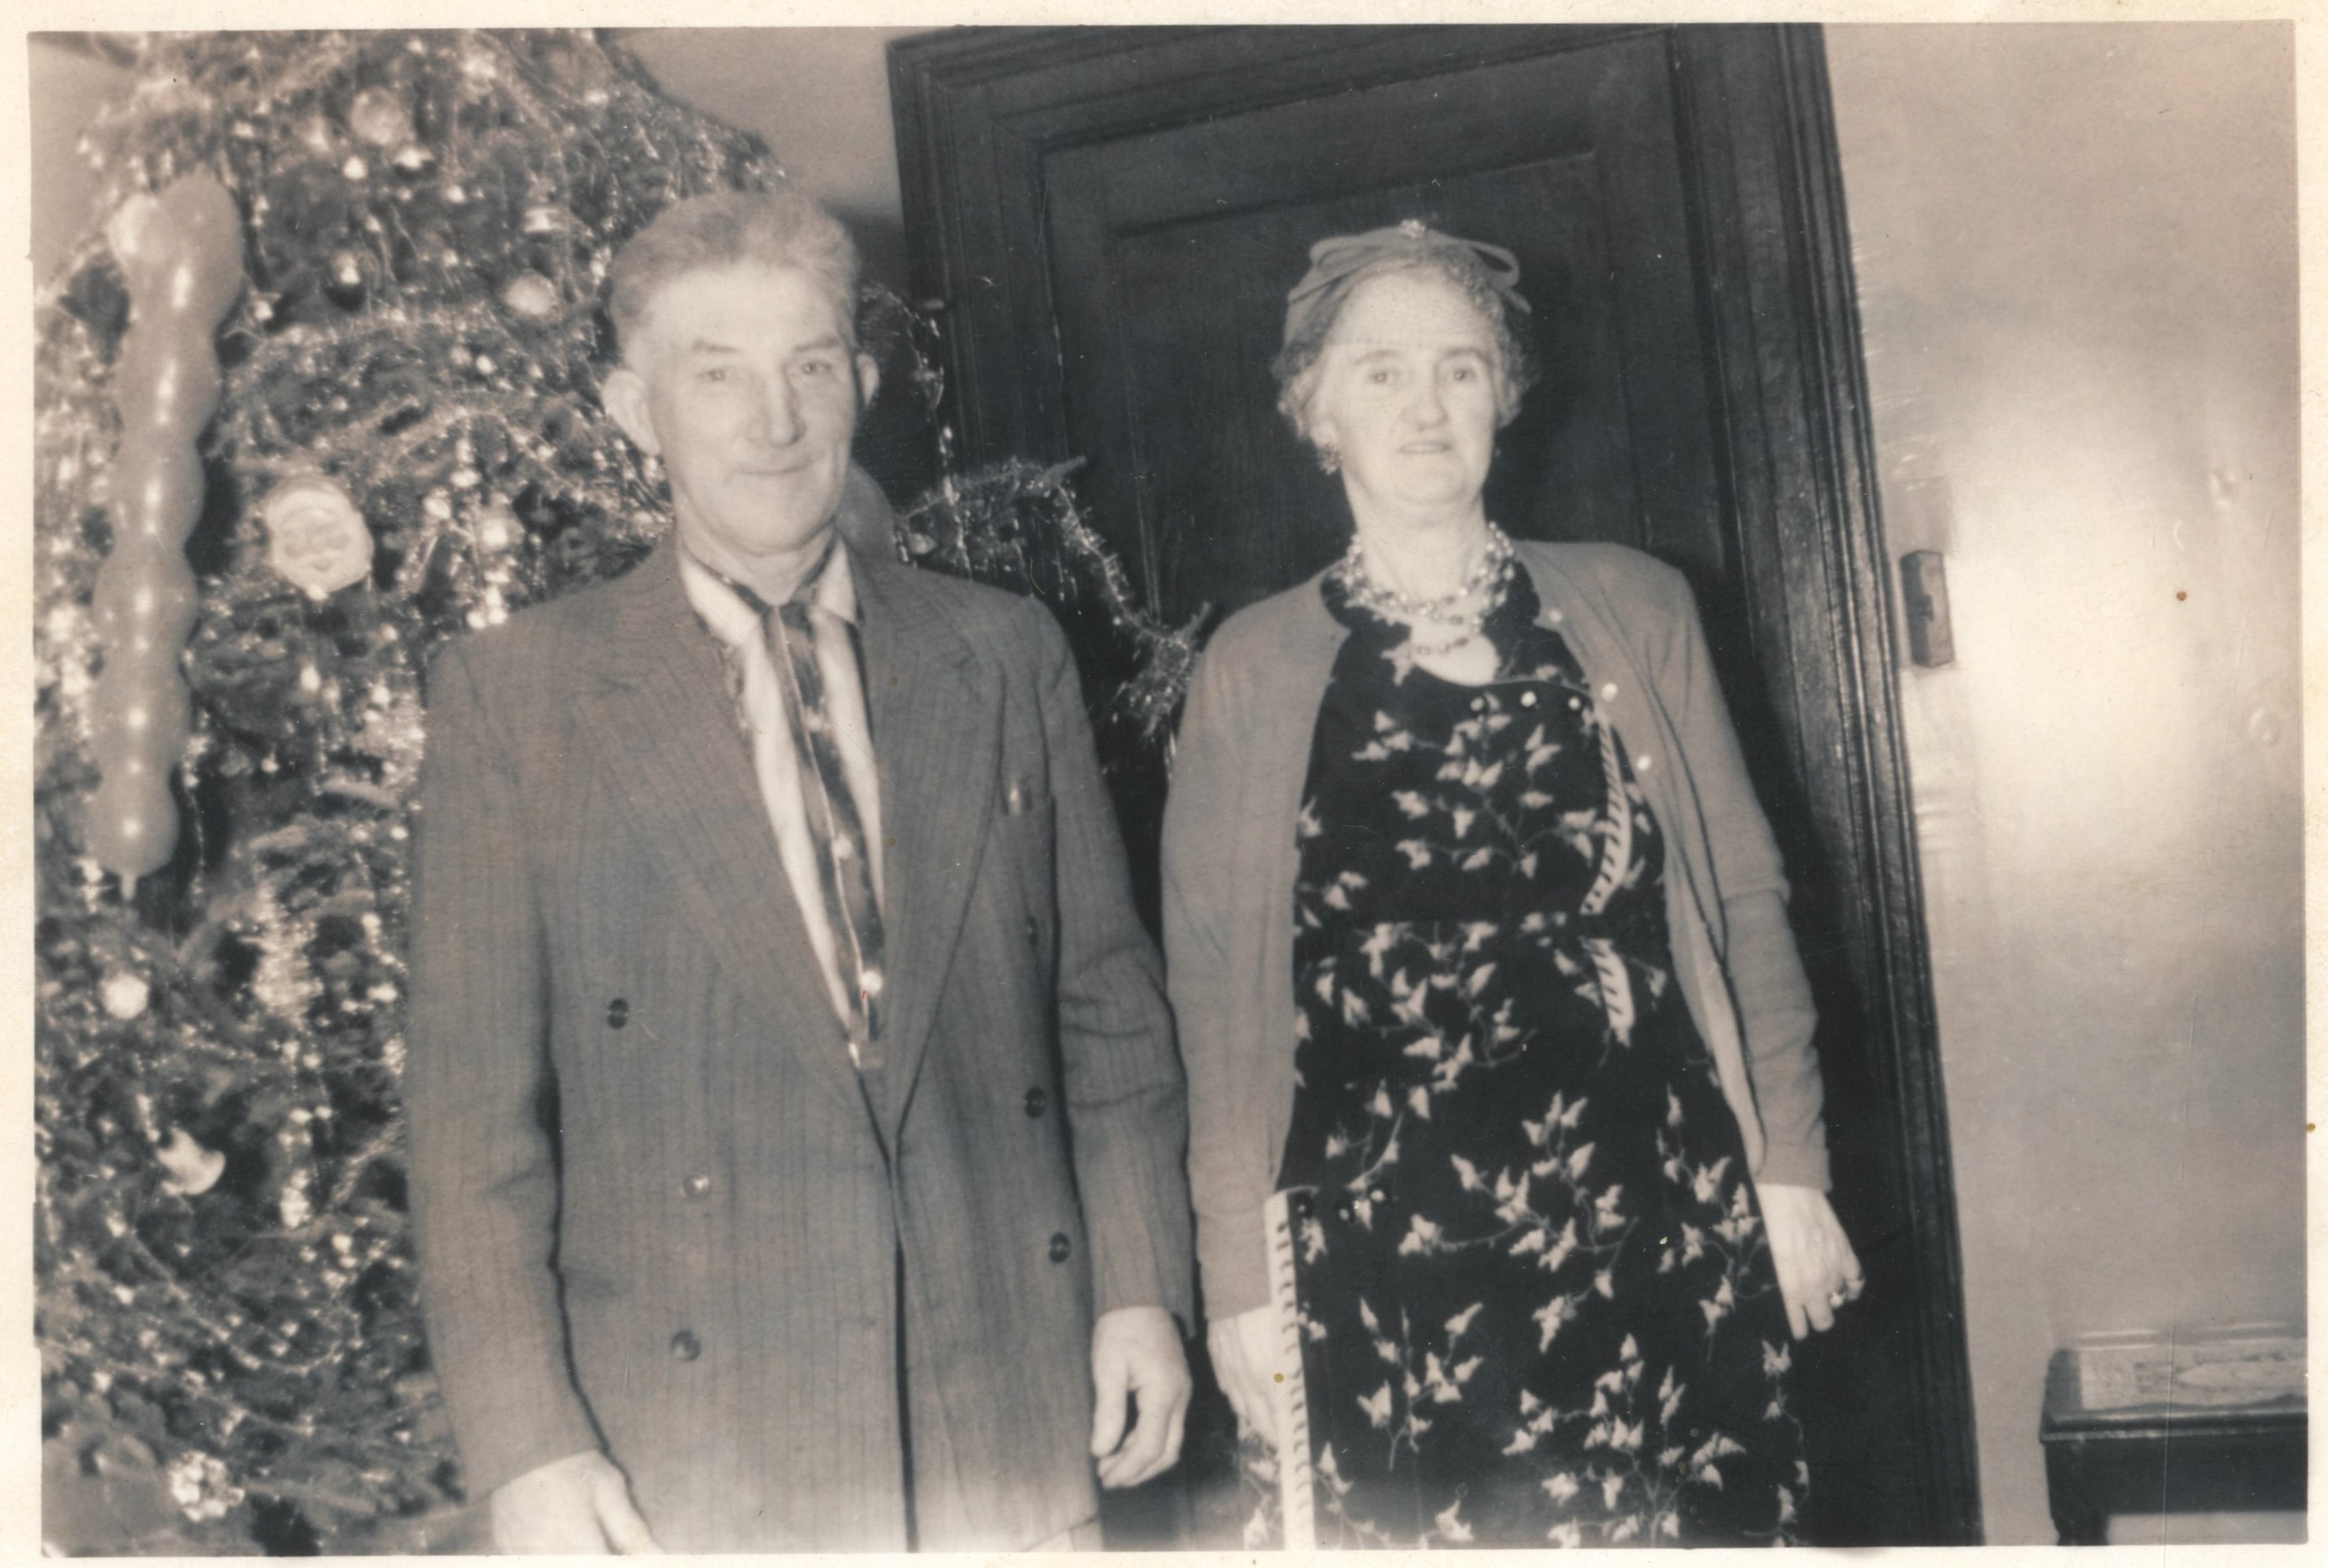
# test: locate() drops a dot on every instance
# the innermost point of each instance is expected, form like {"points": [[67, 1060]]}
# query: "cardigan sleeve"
{"points": [[1776, 1014], [1217, 1035]]}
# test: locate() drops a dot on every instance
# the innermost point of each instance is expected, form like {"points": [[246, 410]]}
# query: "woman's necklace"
{"points": [[1488, 582], [1492, 568]]}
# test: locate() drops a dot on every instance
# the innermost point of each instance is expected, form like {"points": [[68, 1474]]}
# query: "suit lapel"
{"points": [[661, 716], [936, 709]]}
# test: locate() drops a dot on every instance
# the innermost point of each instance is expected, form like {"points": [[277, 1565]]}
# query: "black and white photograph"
{"points": [[1352, 782]]}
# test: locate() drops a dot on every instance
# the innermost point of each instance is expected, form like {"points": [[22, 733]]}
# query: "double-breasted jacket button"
{"points": [[1060, 1246], [1015, 798], [696, 1186], [618, 1013], [1034, 933], [1038, 1102], [685, 1347]]}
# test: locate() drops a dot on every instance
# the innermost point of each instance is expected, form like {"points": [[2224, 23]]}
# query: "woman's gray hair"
{"points": [[1309, 325], [775, 228]]}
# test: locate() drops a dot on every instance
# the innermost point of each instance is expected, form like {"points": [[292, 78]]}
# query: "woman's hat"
{"points": [[1340, 264]]}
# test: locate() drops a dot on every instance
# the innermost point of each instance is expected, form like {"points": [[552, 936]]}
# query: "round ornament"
{"points": [[531, 295], [379, 116], [315, 536], [193, 1170], [124, 995], [497, 528]]}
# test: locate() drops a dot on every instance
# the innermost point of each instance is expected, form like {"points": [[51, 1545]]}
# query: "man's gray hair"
{"points": [[709, 233]]}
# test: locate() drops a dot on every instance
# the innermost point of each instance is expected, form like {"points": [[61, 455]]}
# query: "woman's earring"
{"points": [[1329, 459]]}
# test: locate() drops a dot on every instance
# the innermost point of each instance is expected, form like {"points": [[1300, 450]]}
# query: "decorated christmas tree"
{"points": [[317, 392]]}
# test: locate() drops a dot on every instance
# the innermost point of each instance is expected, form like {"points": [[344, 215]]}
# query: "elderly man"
{"points": [[797, 1126]]}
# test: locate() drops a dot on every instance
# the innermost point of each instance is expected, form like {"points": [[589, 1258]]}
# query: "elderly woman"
{"points": [[1479, 945]]}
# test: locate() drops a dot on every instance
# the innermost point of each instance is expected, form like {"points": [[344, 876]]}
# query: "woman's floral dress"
{"points": [[1536, 1301]]}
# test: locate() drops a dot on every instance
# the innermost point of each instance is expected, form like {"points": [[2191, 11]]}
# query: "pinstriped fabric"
{"points": [[492, 1260], [592, 834]]}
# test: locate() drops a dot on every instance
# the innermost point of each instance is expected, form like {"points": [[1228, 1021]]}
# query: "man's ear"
{"points": [[625, 393], [869, 380]]}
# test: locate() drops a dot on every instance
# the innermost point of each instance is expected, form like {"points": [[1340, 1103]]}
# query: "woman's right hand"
{"points": [[1248, 1354]]}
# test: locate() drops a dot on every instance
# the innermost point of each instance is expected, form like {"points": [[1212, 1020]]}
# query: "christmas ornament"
{"points": [[203, 1487], [497, 527], [532, 296], [574, 551], [181, 253], [193, 1170], [315, 536], [379, 116], [124, 995]]}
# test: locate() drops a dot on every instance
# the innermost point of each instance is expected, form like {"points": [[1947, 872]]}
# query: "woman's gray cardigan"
{"points": [[1230, 863]]}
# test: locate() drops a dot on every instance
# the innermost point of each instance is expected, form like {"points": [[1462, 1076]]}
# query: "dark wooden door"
{"points": [[1171, 253], [1113, 218]]}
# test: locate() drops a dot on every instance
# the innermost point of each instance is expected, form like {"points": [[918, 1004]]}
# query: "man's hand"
{"points": [[577, 1506], [1136, 1350], [1248, 1356], [1818, 1273]]}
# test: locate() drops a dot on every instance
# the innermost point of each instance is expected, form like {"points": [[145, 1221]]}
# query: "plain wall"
{"points": [[820, 97], [2077, 273]]}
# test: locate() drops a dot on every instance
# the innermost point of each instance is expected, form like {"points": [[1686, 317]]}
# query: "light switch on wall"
{"points": [[1924, 593]]}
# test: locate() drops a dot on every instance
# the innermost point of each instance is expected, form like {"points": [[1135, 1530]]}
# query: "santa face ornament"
{"points": [[315, 536]]}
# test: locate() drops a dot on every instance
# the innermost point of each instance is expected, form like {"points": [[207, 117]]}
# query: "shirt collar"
{"points": [[831, 586]]}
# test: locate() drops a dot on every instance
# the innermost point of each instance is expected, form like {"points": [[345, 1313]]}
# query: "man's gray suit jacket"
{"points": [[657, 1211]]}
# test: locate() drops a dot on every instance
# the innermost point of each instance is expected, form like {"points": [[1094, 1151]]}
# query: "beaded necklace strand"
{"points": [[1489, 581]]}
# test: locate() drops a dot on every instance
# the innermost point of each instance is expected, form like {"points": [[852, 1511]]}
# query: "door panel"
{"points": [[1115, 216], [1171, 252]]}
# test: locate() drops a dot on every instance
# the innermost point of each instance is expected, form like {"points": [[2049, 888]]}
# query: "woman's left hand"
{"points": [[1818, 1271]]}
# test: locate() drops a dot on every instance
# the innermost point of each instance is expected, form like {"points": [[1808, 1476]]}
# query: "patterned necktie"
{"points": [[844, 867], [836, 826]]}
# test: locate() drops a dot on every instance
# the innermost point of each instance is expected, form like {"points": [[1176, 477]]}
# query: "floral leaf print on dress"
{"points": [[1536, 1301]]}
